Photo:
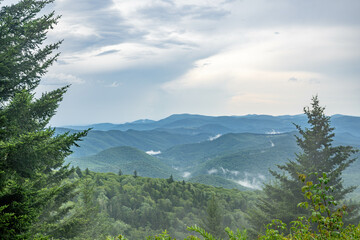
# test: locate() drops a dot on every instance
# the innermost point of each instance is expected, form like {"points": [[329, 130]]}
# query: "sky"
{"points": [[148, 59]]}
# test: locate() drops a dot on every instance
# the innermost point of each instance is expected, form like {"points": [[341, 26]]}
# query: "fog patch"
{"points": [[251, 181], [186, 174], [273, 132], [245, 179], [214, 137], [151, 152], [212, 171], [253, 184], [226, 171]]}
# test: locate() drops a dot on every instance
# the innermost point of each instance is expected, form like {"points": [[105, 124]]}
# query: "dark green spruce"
{"points": [[318, 154], [31, 155]]}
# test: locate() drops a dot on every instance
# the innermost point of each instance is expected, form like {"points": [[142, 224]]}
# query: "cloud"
{"points": [[253, 184], [114, 84], [253, 76], [252, 181], [239, 56], [151, 152], [314, 81], [214, 137], [107, 52], [273, 132], [293, 79], [61, 79], [212, 171], [186, 174]]}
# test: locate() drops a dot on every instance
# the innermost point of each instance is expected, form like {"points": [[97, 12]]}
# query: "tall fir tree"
{"points": [[31, 155], [280, 198], [212, 223]]}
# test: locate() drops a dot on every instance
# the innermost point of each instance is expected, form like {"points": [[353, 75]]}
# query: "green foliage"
{"points": [[281, 197], [31, 155], [328, 221], [78, 172], [217, 181], [170, 179], [213, 221], [139, 207]]}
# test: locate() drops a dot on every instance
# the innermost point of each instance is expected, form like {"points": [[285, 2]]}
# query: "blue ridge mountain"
{"points": [[154, 140], [225, 151], [193, 124]]}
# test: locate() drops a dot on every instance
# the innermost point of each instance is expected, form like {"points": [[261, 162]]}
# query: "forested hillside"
{"points": [[239, 160], [138, 207]]}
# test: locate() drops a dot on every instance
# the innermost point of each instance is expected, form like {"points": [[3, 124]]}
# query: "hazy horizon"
{"points": [[131, 121]]}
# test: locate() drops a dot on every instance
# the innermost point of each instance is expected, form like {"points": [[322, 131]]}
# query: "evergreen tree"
{"points": [[120, 172], [135, 174], [213, 221], [170, 179], [78, 172], [280, 198], [31, 155]]}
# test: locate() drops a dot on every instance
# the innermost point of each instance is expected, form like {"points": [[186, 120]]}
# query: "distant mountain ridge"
{"points": [[226, 151], [195, 124]]}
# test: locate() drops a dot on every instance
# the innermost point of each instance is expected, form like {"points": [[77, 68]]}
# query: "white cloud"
{"points": [[186, 174], [212, 171], [114, 84], [268, 59], [151, 152], [254, 74], [273, 132], [61, 79], [214, 137], [238, 56], [252, 181], [253, 184]]}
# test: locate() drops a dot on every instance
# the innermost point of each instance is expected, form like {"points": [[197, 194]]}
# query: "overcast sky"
{"points": [[136, 59]]}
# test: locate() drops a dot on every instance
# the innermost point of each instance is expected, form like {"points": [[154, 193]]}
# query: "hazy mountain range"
{"points": [[228, 151]]}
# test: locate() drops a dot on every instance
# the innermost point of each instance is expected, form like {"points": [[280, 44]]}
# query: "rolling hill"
{"points": [[154, 140], [128, 159], [222, 151], [190, 155]]}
